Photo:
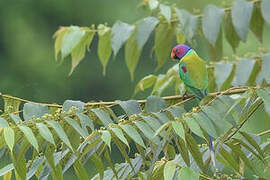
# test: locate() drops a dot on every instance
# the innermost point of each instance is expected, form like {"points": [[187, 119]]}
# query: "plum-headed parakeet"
{"points": [[193, 72]]}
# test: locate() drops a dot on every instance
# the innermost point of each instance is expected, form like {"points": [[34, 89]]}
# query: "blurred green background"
{"points": [[29, 70]]}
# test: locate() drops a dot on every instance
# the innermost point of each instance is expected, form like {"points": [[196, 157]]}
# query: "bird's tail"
{"points": [[212, 153]]}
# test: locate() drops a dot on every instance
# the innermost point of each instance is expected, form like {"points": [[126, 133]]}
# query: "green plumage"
{"points": [[193, 72]]}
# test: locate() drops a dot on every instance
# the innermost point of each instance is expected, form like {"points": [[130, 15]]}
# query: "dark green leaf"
{"points": [[241, 15], [154, 104], [99, 164], [133, 134], [80, 170], [103, 116], [188, 173], [132, 54], [85, 121], [130, 107], [166, 12], [216, 51], [119, 134], [182, 147], [230, 32], [211, 22], [33, 110], [45, 132], [147, 131], [169, 170], [194, 150], [29, 136], [9, 137], [70, 103], [77, 127], [252, 142], [188, 22], [242, 74], [60, 132], [164, 35], [257, 22], [104, 45], [176, 111], [222, 73], [71, 39], [194, 126], [265, 7], [145, 27], [145, 83], [152, 122], [178, 128], [120, 34], [228, 157]]}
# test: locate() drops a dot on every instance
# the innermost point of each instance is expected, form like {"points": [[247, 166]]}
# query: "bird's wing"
{"points": [[193, 72]]}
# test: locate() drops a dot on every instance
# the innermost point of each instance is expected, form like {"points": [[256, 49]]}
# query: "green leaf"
{"points": [[257, 22], [106, 137], [147, 131], [130, 106], [103, 116], [166, 12], [71, 39], [216, 51], [188, 22], [98, 164], [6, 169], [242, 75], [152, 122], [178, 128], [60, 132], [194, 126], [120, 34], [119, 134], [251, 141], [194, 150], [9, 137], [265, 7], [164, 34], [222, 73], [33, 110], [3, 123], [162, 82], [29, 136], [154, 104], [45, 132], [241, 15], [58, 35], [145, 28], [78, 52], [80, 170], [206, 123], [132, 54], [228, 157], [230, 32], [70, 103], [133, 134], [169, 170], [85, 121], [153, 4], [265, 67], [176, 111], [188, 173], [104, 45], [145, 83], [211, 22], [35, 166], [183, 150], [77, 127]]}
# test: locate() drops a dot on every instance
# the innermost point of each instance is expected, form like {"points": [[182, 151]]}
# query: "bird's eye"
{"points": [[176, 50]]}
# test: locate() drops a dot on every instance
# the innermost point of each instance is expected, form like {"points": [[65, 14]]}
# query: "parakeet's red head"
{"points": [[179, 51]]}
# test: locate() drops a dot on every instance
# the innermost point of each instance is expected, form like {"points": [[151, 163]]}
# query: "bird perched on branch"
{"points": [[193, 72]]}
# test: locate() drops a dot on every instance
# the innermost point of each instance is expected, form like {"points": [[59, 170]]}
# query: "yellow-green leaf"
{"points": [[9, 137]]}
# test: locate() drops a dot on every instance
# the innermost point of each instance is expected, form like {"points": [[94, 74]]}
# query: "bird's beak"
{"points": [[173, 55]]}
